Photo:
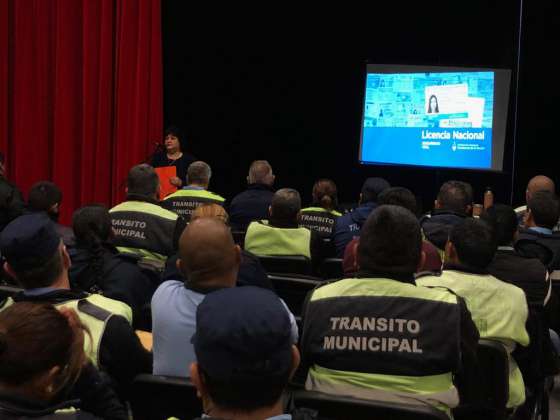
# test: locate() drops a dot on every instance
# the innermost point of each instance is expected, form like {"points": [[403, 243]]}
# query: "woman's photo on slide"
{"points": [[433, 107]]}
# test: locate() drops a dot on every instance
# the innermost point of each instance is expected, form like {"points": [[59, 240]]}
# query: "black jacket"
{"points": [[14, 407], [250, 205], [251, 272], [438, 224], [182, 164], [11, 202], [121, 354], [120, 279], [526, 273], [543, 246]]}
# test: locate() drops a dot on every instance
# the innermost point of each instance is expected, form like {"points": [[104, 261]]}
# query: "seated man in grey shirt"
{"points": [[210, 260]]}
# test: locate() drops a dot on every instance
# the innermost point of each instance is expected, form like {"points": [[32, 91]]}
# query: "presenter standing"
{"points": [[172, 155]]}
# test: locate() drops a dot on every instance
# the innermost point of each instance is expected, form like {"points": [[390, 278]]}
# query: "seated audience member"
{"points": [[282, 235], [11, 200], [245, 354], [98, 267], [37, 259], [46, 196], [452, 206], [253, 203], [43, 365], [499, 309], [528, 274], [537, 183], [251, 272], [141, 226], [186, 200], [321, 216], [349, 225], [380, 336], [209, 259], [397, 196], [537, 239]]}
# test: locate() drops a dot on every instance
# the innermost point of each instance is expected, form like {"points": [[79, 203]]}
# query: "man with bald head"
{"points": [[209, 260], [537, 183], [253, 203]]}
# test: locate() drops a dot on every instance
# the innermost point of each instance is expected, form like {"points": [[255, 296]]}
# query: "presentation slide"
{"points": [[434, 118]]}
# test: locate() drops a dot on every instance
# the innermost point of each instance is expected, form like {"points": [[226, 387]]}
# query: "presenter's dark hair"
{"points": [[430, 110], [325, 194], [174, 131], [544, 208], [474, 242], [390, 241], [142, 180]]}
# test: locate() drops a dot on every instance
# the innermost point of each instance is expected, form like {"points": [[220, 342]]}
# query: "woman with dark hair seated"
{"points": [[41, 358], [97, 266], [321, 216]]}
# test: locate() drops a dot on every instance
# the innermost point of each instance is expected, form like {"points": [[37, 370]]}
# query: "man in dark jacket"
{"points": [[11, 200], [452, 206], [349, 225], [253, 203]]}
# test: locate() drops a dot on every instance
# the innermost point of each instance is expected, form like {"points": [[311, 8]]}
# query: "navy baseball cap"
{"points": [[243, 333], [375, 186], [29, 241]]}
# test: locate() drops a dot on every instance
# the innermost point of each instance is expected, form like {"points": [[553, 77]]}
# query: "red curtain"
{"points": [[81, 93]]}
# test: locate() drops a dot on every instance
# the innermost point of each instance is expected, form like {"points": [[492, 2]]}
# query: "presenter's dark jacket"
{"points": [[121, 278], [250, 205], [349, 225], [121, 354], [160, 159], [251, 271], [437, 225], [353, 358], [161, 229], [11, 202]]}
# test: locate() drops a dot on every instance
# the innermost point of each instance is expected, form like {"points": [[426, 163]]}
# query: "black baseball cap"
{"points": [[243, 333], [29, 241]]}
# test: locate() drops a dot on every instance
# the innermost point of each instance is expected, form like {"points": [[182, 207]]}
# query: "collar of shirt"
{"points": [[193, 187], [506, 248], [38, 291], [544, 230]]}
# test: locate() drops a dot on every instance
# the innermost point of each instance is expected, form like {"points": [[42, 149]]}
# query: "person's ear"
{"points": [[298, 216], [49, 381], [54, 208], [468, 210], [197, 380], [9, 270], [450, 252], [248, 180], [421, 262], [269, 211], [360, 200], [437, 204], [528, 218], [296, 359], [178, 265], [66, 260]]}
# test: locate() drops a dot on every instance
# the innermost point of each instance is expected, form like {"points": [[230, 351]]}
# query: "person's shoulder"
{"points": [[166, 289], [113, 306]]}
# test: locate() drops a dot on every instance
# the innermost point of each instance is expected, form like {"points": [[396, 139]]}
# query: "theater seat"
{"points": [[331, 268], [161, 397], [485, 390], [239, 237], [295, 264], [293, 289], [343, 408]]}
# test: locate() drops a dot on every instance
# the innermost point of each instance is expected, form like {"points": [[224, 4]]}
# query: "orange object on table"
{"points": [[165, 173]]}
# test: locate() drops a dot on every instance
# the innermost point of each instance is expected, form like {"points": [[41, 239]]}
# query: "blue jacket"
{"points": [[349, 225], [250, 205]]}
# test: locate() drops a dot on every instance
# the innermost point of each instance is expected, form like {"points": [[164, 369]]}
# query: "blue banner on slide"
{"points": [[445, 147]]}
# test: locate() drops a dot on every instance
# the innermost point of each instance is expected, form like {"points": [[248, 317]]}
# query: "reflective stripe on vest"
{"points": [[94, 312], [319, 219], [387, 335], [499, 311], [436, 390], [262, 239], [144, 229], [184, 202]]}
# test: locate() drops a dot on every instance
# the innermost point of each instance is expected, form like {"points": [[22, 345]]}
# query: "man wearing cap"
{"points": [[245, 354], [210, 260], [381, 337], [186, 200], [141, 226], [348, 226], [37, 259]]}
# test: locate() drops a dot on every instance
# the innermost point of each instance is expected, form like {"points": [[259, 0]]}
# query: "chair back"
{"points": [[293, 290], [295, 264], [161, 397], [331, 268]]}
